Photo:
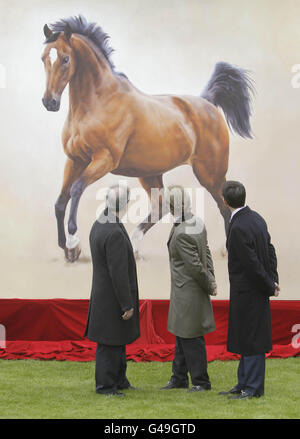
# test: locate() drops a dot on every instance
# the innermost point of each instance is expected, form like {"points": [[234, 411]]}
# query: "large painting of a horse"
{"points": [[114, 127]]}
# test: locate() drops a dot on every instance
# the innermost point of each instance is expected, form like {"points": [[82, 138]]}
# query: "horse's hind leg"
{"points": [[154, 188], [213, 182]]}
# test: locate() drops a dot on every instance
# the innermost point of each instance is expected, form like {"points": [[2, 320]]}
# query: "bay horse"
{"points": [[114, 127]]}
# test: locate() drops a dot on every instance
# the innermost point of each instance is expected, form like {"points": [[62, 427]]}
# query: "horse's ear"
{"points": [[47, 31], [68, 32]]}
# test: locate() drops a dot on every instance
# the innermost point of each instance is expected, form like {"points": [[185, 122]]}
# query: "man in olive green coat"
{"points": [[192, 283]]}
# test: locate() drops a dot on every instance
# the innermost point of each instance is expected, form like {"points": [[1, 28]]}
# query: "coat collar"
{"points": [[189, 215], [237, 215], [177, 223], [111, 218], [108, 217], [171, 234], [236, 211]]}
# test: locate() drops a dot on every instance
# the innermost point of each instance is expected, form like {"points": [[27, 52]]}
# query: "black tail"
{"points": [[231, 88]]}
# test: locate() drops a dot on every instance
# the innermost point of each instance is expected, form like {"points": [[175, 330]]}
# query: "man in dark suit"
{"points": [[113, 317], [252, 266]]}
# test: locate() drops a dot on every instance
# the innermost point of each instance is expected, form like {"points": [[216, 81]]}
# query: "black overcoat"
{"points": [[114, 285], [252, 266]]}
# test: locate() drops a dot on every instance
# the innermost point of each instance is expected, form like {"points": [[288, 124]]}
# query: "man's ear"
{"points": [[68, 32], [47, 31]]}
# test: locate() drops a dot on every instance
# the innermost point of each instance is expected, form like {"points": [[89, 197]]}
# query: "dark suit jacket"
{"points": [[252, 266], [114, 285]]}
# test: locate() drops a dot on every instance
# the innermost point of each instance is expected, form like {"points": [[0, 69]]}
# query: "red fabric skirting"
{"points": [[52, 329]]}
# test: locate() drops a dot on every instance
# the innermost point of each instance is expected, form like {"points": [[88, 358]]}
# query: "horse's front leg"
{"points": [[101, 164], [71, 172]]}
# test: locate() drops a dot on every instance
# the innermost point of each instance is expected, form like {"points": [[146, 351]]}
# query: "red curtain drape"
{"points": [[53, 329]]}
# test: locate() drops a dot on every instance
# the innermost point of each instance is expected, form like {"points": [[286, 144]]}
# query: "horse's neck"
{"points": [[93, 77]]}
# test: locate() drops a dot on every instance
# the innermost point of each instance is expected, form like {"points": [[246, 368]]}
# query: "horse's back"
{"points": [[186, 109]]}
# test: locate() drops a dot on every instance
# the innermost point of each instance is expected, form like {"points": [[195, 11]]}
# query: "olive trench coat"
{"points": [[192, 279]]}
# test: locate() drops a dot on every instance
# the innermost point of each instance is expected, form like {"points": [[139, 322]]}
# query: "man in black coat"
{"points": [[252, 266], [113, 317]]}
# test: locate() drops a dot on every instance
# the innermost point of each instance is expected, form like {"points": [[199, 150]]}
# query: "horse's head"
{"points": [[59, 61]]}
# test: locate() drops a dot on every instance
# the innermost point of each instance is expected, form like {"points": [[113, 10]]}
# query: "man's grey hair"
{"points": [[117, 197], [178, 199]]}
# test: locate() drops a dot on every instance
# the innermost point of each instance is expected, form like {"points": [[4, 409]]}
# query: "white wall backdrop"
{"points": [[168, 46]]}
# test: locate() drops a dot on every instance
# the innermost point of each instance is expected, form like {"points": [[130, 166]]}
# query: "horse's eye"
{"points": [[65, 59]]}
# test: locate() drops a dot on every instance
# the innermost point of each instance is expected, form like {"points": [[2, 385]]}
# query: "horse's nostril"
{"points": [[53, 101]]}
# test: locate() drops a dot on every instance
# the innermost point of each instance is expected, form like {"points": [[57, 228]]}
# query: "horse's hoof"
{"points": [[72, 254]]}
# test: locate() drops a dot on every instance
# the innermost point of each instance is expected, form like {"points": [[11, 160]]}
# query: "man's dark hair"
{"points": [[234, 193]]}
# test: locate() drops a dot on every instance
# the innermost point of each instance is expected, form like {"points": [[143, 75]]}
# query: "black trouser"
{"points": [[190, 356], [110, 372], [251, 374]]}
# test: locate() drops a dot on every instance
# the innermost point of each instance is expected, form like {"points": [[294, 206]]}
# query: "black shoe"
{"points": [[198, 389], [234, 391], [172, 385], [242, 395]]}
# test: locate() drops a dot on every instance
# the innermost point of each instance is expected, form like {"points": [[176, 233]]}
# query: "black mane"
{"points": [[80, 25]]}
